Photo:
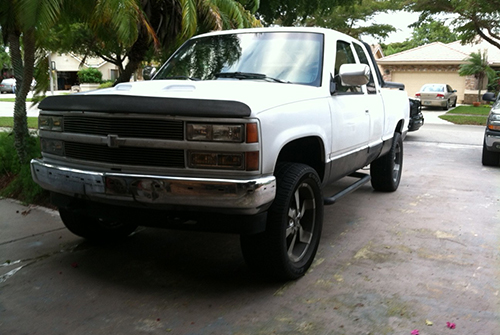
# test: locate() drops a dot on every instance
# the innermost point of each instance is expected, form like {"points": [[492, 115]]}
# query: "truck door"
{"points": [[350, 118]]}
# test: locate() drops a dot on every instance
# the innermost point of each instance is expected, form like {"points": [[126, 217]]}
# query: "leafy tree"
{"points": [[423, 33], [393, 48], [432, 31], [22, 23], [293, 12], [477, 65], [156, 24], [473, 17], [350, 18], [25, 25]]}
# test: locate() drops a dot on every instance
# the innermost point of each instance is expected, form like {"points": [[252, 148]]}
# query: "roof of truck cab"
{"points": [[325, 31]]}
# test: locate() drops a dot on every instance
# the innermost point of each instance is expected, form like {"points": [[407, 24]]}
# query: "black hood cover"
{"points": [[148, 105]]}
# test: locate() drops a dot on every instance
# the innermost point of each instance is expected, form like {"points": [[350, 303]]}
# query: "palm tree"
{"points": [[26, 23], [136, 25], [21, 22], [477, 65], [175, 21]]}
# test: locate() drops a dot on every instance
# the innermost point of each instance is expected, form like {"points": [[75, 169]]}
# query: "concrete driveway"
{"points": [[387, 264]]}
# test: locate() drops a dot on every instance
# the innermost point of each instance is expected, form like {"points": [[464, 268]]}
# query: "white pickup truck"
{"points": [[239, 131]]}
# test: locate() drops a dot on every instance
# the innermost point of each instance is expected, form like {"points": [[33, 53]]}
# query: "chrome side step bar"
{"points": [[362, 179]]}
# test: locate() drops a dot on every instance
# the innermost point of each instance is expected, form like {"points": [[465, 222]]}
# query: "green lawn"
{"points": [[8, 121], [470, 115], [470, 110], [13, 99], [465, 119]]}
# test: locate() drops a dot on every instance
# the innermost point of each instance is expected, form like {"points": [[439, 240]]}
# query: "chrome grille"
{"points": [[124, 127], [126, 155]]}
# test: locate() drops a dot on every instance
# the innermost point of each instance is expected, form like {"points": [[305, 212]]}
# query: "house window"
{"points": [[113, 74]]}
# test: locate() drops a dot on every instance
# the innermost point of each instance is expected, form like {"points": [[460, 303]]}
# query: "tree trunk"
{"points": [[21, 133], [479, 86], [135, 56]]}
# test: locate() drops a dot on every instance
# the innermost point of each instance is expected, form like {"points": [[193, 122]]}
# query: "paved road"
{"points": [[386, 264]]}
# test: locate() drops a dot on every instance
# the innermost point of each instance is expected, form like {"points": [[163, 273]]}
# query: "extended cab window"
{"points": [[344, 55], [364, 60]]}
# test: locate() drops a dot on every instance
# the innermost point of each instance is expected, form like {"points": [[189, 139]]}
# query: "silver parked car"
{"points": [[7, 85], [437, 95]]}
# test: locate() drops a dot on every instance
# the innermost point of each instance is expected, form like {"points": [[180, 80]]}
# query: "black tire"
{"points": [[287, 248], [455, 103], [447, 105], [386, 171], [490, 158], [95, 229]]}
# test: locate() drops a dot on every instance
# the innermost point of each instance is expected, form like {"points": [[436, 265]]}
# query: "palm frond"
{"points": [[189, 17], [41, 15]]}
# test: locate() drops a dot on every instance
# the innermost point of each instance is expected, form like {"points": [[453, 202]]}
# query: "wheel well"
{"points": [[399, 127], [307, 151]]}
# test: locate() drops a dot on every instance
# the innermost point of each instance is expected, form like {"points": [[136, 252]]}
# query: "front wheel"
{"points": [[386, 171], [95, 229], [287, 248], [490, 158]]}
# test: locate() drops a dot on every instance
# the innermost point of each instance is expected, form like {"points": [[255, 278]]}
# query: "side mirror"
{"points": [[354, 74], [148, 72], [489, 96]]}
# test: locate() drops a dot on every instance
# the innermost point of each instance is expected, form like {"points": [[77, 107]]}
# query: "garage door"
{"points": [[414, 80]]}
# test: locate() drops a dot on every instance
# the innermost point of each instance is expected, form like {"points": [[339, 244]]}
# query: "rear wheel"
{"points": [[447, 105], [386, 171], [490, 158], [287, 248], [93, 228]]}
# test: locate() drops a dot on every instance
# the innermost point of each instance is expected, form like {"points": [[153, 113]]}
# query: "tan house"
{"points": [[66, 66], [437, 63]]}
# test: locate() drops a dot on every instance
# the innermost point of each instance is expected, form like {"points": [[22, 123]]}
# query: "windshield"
{"points": [[275, 56]]}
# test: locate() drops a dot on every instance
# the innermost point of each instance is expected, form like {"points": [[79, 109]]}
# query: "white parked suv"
{"points": [[239, 132]]}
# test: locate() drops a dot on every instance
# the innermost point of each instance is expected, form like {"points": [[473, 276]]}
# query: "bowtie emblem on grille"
{"points": [[113, 141]]}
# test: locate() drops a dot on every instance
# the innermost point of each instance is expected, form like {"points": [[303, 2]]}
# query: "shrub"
{"points": [[90, 76], [16, 181], [106, 84]]}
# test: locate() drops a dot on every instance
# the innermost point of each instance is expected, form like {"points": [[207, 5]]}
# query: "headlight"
{"points": [[48, 122], [494, 121], [54, 147], [248, 161], [215, 132], [235, 161]]}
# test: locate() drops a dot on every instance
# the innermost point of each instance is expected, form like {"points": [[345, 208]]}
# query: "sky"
{"points": [[400, 20]]}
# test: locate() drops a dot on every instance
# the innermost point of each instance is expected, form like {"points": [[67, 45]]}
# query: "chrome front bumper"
{"points": [[492, 140], [249, 196]]}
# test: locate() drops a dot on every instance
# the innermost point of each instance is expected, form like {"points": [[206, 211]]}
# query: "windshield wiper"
{"points": [[248, 75], [182, 77]]}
